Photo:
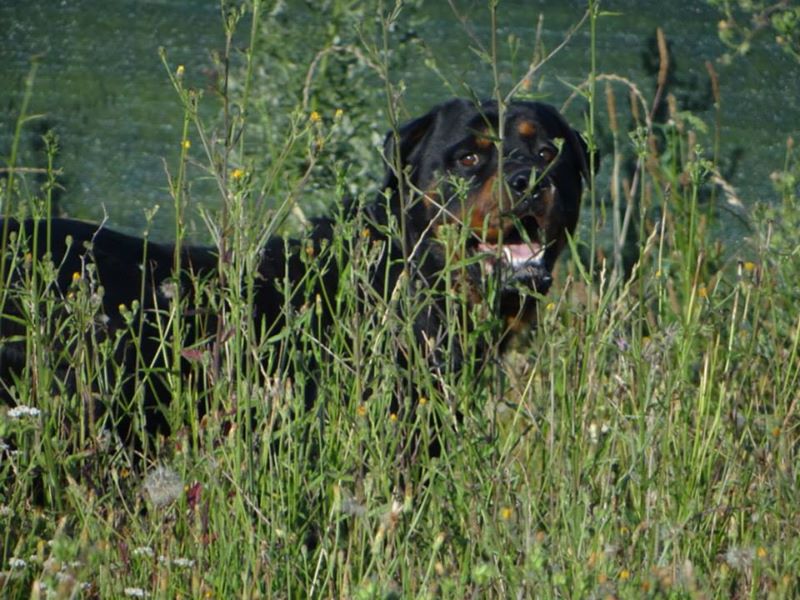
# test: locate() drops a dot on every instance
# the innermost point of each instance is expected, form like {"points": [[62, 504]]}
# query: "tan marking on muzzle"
{"points": [[484, 208], [431, 197], [548, 221]]}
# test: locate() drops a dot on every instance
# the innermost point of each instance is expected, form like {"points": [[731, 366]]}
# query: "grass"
{"points": [[642, 443]]}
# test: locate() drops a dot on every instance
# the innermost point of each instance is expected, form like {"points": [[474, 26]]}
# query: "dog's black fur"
{"points": [[443, 169]]}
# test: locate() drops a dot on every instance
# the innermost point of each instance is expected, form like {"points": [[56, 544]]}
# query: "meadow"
{"points": [[642, 442]]}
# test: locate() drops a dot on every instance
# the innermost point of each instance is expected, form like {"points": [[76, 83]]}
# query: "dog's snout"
{"points": [[519, 181]]}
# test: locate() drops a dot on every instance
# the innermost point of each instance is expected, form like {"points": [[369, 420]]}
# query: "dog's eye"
{"points": [[548, 154], [469, 160]]}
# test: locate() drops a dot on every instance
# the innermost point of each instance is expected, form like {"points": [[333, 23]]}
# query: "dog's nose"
{"points": [[520, 181]]}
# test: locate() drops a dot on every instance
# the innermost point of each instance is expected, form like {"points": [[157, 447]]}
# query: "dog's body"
{"points": [[512, 212]]}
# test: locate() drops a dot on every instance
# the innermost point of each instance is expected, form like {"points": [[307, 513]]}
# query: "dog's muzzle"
{"points": [[520, 264], [519, 257]]}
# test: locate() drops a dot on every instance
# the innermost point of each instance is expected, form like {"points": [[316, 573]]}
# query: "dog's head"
{"points": [[515, 188]]}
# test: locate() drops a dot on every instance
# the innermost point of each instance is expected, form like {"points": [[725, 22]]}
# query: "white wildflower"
{"points": [[17, 563], [163, 486], [21, 411], [739, 558], [64, 577], [185, 563], [351, 507], [597, 431], [594, 435], [347, 504], [169, 289], [143, 551], [133, 592]]}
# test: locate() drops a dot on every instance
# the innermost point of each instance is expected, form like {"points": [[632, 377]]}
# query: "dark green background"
{"points": [[102, 87]]}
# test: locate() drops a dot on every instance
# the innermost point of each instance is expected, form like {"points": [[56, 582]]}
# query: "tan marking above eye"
{"points": [[469, 160], [526, 128], [483, 142]]}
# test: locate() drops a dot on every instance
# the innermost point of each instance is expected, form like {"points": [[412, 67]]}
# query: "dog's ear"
{"points": [[401, 147]]}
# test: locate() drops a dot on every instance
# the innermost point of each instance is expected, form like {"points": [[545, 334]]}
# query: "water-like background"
{"points": [[102, 87]]}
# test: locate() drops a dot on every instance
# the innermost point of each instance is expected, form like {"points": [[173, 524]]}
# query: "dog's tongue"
{"points": [[516, 255]]}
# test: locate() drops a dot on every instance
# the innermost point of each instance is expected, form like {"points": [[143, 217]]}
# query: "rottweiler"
{"points": [[505, 181]]}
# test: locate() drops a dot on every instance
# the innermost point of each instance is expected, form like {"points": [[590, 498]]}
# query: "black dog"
{"points": [[511, 193]]}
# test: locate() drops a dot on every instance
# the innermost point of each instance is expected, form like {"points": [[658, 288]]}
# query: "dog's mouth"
{"points": [[518, 262]]}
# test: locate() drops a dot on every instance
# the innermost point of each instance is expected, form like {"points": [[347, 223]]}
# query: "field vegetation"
{"points": [[643, 442]]}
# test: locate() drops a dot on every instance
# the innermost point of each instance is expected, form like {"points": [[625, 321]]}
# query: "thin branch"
{"points": [[535, 66]]}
